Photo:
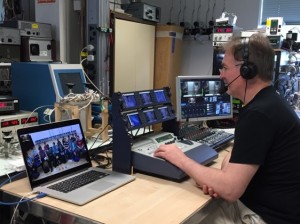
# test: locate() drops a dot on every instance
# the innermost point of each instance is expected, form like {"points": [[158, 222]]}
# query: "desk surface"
{"points": [[146, 200]]}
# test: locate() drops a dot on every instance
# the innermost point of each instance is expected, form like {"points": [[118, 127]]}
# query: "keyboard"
{"points": [[214, 138], [77, 181]]}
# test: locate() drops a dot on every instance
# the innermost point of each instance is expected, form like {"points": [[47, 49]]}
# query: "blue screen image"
{"points": [[160, 96], [129, 100], [146, 97], [164, 112], [134, 120], [150, 116]]}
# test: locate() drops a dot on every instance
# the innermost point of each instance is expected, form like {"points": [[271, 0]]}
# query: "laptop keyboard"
{"points": [[78, 181]]}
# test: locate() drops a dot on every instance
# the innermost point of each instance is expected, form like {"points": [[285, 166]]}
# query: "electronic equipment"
{"points": [[39, 84], [221, 35], [147, 107], [10, 41], [36, 40], [218, 55], [274, 26], [212, 137], [10, 36], [9, 105], [38, 49], [29, 28], [144, 147], [275, 41], [143, 11], [5, 79], [198, 99], [10, 123]]}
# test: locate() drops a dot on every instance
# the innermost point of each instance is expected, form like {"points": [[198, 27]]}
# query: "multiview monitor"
{"points": [[197, 99]]}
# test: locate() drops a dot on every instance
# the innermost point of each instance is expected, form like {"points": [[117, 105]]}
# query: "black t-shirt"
{"points": [[268, 134]]}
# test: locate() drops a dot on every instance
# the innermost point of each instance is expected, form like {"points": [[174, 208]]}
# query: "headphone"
{"points": [[248, 70]]}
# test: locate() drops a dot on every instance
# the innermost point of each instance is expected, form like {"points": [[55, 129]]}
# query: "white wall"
{"points": [[197, 55]]}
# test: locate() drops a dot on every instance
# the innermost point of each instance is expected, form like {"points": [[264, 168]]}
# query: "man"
{"points": [[260, 179]]}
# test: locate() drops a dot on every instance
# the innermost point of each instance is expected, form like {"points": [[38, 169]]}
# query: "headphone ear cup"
{"points": [[248, 71]]}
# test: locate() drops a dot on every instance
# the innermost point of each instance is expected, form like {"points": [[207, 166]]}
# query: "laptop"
{"points": [[57, 152]]}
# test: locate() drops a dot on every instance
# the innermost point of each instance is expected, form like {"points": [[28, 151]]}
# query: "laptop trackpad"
{"points": [[103, 185]]}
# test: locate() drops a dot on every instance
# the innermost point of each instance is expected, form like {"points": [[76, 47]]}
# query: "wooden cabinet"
{"points": [[168, 57]]}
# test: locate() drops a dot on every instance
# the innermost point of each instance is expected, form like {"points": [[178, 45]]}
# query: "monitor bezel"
{"points": [[179, 117]]}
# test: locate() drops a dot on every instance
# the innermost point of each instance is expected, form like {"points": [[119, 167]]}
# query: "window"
{"points": [[288, 9]]}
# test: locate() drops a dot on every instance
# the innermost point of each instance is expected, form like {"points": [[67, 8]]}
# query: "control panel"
{"points": [[11, 123], [221, 35], [146, 145], [274, 25]]}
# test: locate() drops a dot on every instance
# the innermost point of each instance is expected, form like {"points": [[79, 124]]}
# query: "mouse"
{"points": [[187, 141]]}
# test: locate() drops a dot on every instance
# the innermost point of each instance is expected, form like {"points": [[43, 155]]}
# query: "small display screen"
{"points": [[164, 112], [29, 120], [146, 98], [164, 138], [160, 96], [134, 119], [9, 123], [150, 116], [223, 29], [129, 100]]}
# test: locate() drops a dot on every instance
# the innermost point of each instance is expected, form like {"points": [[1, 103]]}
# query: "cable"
{"points": [[40, 195], [34, 111], [16, 208], [9, 179]]}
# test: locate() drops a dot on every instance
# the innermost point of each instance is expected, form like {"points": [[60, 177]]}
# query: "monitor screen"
{"points": [[150, 116], [160, 96], [134, 120], [198, 99], [71, 77], [164, 112], [129, 100], [146, 97]]}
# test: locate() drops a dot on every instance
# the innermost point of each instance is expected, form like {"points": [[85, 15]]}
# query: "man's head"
{"points": [[255, 53], [247, 64]]}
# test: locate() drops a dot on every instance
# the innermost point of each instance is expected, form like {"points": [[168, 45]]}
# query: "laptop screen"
{"points": [[53, 150]]}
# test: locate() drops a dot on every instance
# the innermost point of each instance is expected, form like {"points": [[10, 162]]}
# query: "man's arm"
{"points": [[229, 182]]}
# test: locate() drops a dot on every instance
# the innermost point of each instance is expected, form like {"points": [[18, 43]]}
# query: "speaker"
{"points": [[248, 70]]}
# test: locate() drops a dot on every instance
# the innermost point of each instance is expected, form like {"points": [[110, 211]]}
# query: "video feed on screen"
{"points": [[150, 116], [146, 97], [134, 119], [160, 96], [164, 112], [129, 100]]}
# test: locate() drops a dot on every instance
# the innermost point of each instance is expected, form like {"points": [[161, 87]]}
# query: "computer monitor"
{"points": [[197, 99]]}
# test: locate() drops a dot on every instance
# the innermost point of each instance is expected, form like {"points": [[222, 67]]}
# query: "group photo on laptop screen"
{"points": [[49, 152]]}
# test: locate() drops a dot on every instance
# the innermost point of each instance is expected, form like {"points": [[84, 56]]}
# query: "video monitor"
{"points": [[164, 112], [129, 100], [160, 96], [198, 99], [134, 120], [150, 116], [146, 97]]}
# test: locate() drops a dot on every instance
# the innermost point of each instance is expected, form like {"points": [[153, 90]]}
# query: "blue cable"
{"points": [[11, 178], [40, 195]]}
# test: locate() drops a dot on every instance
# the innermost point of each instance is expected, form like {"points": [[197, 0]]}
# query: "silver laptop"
{"points": [[56, 156]]}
